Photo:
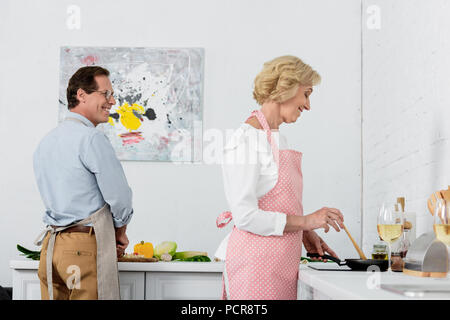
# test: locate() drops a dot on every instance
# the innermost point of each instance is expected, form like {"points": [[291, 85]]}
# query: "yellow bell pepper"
{"points": [[144, 248]]}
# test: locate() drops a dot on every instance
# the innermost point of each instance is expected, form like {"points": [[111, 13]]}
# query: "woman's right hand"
{"points": [[324, 218]]}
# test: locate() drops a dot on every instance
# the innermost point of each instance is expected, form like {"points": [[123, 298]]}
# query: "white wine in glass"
{"points": [[390, 232], [442, 232], [390, 226], [442, 221]]}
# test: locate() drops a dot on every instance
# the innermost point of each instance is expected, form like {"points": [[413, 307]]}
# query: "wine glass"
{"points": [[442, 221], [390, 226]]}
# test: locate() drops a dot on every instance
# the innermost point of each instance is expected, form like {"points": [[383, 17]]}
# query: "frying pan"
{"points": [[354, 264]]}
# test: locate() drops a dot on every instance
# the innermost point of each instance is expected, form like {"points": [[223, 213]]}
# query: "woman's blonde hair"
{"points": [[279, 79]]}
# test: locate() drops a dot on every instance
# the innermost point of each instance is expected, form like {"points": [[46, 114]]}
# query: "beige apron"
{"points": [[107, 270]]}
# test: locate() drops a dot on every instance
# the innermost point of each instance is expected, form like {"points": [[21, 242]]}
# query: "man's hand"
{"points": [[314, 244], [121, 241]]}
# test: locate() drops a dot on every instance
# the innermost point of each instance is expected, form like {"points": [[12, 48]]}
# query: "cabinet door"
{"points": [[183, 285], [304, 291], [132, 285], [26, 285]]}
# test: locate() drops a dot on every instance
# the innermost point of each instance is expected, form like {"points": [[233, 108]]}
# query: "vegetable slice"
{"points": [[188, 254], [35, 255], [165, 247]]}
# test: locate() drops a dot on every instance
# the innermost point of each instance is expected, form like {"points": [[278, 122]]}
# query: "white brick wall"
{"points": [[406, 108]]}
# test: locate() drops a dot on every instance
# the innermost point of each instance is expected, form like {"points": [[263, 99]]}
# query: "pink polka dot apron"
{"points": [[266, 267]]}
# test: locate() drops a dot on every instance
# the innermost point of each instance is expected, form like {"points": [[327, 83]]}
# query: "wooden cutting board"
{"points": [[138, 259]]}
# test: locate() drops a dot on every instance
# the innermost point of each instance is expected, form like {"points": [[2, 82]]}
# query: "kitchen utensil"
{"points": [[409, 223], [360, 252], [401, 201], [427, 257], [328, 267], [446, 194], [418, 290], [138, 259], [436, 196], [442, 221], [354, 264], [432, 200]]}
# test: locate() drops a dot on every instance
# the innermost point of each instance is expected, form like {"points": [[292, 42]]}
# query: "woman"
{"points": [[263, 186]]}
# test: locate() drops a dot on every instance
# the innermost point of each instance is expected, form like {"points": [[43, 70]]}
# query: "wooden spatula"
{"points": [[432, 201], [442, 194], [446, 194], [361, 254]]}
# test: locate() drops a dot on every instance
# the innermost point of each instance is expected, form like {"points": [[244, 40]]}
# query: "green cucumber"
{"points": [[25, 250], [199, 258], [35, 255]]}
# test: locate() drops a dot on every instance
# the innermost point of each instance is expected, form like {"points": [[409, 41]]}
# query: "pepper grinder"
{"points": [[401, 247]]}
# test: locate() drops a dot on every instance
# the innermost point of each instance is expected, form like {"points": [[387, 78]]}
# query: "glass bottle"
{"points": [[405, 243], [379, 251]]}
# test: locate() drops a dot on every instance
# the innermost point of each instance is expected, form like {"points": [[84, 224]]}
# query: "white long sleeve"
{"points": [[241, 184], [249, 172]]}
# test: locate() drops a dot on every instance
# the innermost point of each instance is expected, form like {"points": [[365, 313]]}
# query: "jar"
{"points": [[397, 262], [380, 251]]}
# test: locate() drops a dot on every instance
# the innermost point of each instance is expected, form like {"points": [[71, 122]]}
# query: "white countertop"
{"points": [[341, 285], [172, 266], [355, 285]]}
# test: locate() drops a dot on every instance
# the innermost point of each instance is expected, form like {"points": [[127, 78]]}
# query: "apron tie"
{"points": [[222, 217], [49, 256], [42, 235]]}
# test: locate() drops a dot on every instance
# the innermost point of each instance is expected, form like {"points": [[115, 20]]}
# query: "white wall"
{"points": [[406, 80], [181, 202]]}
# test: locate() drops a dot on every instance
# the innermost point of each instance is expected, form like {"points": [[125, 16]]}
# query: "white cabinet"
{"points": [[183, 285], [132, 285], [138, 281], [26, 285]]}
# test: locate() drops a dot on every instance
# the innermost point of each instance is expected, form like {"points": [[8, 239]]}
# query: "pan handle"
{"points": [[325, 256]]}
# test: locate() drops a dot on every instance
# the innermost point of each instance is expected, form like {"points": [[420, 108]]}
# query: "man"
{"points": [[86, 196]]}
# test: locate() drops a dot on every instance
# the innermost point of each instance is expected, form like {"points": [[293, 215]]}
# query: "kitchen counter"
{"points": [[354, 285], [172, 266], [203, 280]]}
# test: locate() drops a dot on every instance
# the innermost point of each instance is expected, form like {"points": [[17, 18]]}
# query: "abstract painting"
{"points": [[158, 93]]}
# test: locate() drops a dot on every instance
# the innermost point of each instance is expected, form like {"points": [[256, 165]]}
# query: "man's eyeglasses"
{"points": [[107, 93]]}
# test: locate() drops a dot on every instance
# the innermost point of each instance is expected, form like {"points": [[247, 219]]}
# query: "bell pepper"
{"points": [[144, 248]]}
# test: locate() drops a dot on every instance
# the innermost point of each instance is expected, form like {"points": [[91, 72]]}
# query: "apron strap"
{"points": [[42, 235], [262, 120], [222, 217], [49, 257]]}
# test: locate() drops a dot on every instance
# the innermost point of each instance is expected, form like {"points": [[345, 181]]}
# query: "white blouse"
{"points": [[249, 172]]}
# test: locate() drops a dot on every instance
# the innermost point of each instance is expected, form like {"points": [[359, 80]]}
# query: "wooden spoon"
{"points": [[432, 201], [446, 194], [442, 194], [361, 254]]}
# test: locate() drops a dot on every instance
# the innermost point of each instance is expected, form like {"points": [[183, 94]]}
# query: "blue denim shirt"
{"points": [[77, 172]]}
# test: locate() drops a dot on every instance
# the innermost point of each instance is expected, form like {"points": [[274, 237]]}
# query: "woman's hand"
{"points": [[314, 244], [323, 218]]}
